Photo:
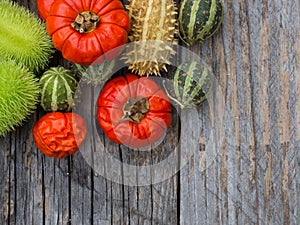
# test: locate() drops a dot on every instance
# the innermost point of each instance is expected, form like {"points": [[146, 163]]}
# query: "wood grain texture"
{"points": [[246, 160], [260, 42]]}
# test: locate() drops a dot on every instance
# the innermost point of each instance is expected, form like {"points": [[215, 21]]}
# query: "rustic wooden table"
{"points": [[252, 177]]}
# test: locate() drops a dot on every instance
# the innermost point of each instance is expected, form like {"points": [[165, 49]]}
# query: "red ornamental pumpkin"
{"points": [[133, 111], [43, 7], [84, 30]]}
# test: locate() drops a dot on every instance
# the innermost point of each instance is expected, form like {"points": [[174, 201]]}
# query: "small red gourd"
{"points": [[58, 134]]}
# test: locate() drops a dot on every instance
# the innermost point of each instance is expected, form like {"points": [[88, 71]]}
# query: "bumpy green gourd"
{"points": [[96, 74], [23, 37], [199, 19], [151, 20], [19, 95], [191, 83], [58, 86]]}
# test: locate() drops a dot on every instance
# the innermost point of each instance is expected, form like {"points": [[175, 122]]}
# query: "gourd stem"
{"points": [[134, 109], [86, 22], [182, 39], [171, 97]]}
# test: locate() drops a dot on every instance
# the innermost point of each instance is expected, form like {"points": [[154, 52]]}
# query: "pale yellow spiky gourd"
{"points": [[153, 29]]}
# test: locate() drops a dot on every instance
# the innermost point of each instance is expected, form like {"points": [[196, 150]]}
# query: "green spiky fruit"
{"points": [[58, 86], [19, 95], [23, 37], [96, 74], [199, 19], [154, 21], [191, 84]]}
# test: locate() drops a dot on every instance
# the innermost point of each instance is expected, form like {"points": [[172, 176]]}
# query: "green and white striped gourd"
{"points": [[199, 19], [58, 86], [191, 83], [96, 74]]}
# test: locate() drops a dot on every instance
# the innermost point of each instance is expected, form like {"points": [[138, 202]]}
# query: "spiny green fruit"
{"points": [[58, 86], [23, 37], [19, 95], [199, 19], [96, 74], [151, 20], [191, 83]]}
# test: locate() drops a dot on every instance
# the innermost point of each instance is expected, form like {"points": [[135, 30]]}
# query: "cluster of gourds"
{"points": [[132, 109]]}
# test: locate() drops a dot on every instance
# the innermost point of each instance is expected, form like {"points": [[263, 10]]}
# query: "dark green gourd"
{"points": [[199, 19], [191, 84]]}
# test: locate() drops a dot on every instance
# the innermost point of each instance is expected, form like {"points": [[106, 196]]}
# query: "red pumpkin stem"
{"points": [[135, 109], [86, 22]]}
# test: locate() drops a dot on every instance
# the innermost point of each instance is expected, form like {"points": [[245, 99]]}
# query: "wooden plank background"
{"points": [[252, 177]]}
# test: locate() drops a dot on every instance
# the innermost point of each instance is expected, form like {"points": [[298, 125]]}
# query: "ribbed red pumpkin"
{"points": [[85, 30], [43, 7], [133, 111]]}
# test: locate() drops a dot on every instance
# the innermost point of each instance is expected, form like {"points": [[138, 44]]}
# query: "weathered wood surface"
{"points": [[251, 178]]}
